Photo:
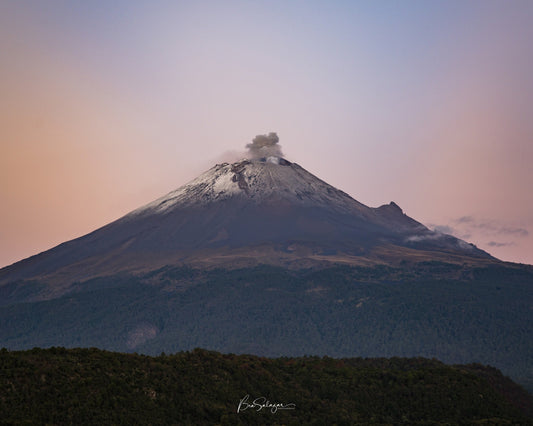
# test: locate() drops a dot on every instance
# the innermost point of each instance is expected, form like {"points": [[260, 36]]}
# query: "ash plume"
{"points": [[264, 146]]}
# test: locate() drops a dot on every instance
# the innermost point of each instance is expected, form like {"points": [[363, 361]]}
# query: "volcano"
{"points": [[260, 211], [260, 256]]}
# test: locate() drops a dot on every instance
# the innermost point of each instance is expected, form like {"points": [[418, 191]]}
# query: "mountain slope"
{"points": [[246, 212], [263, 257], [456, 313]]}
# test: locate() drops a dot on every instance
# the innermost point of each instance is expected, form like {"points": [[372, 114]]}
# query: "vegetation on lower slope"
{"points": [[455, 313], [90, 386]]}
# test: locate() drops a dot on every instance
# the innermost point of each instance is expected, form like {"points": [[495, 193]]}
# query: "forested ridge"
{"points": [[455, 313], [91, 386]]}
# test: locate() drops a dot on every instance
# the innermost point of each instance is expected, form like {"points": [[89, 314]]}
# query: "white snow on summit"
{"points": [[270, 178]]}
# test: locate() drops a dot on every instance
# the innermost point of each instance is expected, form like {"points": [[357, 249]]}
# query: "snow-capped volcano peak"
{"points": [[264, 209], [263, 180]]}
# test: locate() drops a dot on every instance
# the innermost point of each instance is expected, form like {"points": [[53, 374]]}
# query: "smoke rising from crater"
{"points": [[265, 146]]}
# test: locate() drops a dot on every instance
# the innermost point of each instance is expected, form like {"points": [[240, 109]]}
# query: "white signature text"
{"points": [[262, 403]]}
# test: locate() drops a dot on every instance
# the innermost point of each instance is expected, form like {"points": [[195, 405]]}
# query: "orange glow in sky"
{"points": [[105, 107]]}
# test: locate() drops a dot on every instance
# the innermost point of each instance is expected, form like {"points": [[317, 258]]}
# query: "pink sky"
{"points": [[107, 107]]}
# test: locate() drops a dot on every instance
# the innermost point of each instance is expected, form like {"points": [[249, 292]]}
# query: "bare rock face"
{"points": [[265, 210]]}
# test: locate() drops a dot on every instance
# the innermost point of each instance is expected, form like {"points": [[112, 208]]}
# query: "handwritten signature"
{"points": [[259, 403]]}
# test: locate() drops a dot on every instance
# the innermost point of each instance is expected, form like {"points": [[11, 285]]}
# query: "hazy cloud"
{"points": [[486, 233], [497, 244], [490, 227], [265, 146], [464, 219], [443, 229], [521, 232], [450, 230], [426, 237], [229, 156]]}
